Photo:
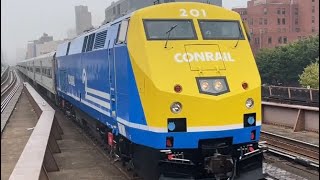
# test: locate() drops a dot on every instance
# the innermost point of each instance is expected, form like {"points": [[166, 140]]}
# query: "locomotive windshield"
{"points": [[220, 30], [157, 29]]}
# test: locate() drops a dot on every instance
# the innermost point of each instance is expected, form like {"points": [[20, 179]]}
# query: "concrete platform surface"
{"points": [[79, 158], [16, 135], [309, 137]]}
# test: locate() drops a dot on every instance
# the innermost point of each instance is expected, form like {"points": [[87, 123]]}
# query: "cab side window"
{"points": [[122, 32]]}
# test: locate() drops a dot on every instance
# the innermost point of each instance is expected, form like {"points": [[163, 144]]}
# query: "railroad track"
{"points": [[6, 80], [9, 88], [301, 152], [4, 75]]}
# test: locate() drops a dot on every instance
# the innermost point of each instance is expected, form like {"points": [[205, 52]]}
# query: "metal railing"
{"points": [[37, 157], [291, 95]]}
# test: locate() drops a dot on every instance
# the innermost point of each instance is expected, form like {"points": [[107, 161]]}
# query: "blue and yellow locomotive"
{"points": [[173, 88]]}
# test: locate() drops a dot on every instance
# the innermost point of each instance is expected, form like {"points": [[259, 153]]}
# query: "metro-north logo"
{"points": [[203, 56]]}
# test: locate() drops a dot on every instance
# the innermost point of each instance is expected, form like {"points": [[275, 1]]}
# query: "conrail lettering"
{"points": [[203, 56]]}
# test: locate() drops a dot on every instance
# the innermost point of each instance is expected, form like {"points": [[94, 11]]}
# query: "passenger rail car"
{"points": [[40, 70], [173, 94]]}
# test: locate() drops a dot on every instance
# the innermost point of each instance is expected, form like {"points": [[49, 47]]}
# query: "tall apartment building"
{"points": [[83, 19], [43, 45], [122, 7], [32, 45], [278, 22]]}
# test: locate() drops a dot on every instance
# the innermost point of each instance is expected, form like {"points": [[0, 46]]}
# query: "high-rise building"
{"points": [[32, 45], [43, 45], [83, 19], [122, 7], [278, 22], [47, 47]]}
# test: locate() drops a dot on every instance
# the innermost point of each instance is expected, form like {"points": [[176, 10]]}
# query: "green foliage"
{"points": [[284, 64], [310, 75]]}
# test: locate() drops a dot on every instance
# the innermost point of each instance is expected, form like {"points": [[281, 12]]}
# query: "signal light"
{"points": [[253, 135], [245, 85], [170, 156], [251, 120], [176, 107], [251, 149], [249, 103], [169, 142], [177, 88], [110, 138]]}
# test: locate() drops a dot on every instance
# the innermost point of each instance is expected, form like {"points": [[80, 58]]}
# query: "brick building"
{"points": [[278, 22]]}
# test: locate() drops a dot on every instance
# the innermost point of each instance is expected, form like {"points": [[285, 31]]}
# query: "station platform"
{"points": [[16, 134], [305, 136]]}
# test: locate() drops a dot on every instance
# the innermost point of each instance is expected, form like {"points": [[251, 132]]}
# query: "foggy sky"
{"points": [[27, 20]]}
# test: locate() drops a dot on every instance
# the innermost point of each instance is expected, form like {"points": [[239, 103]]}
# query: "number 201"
{"points": [[193, 12]]}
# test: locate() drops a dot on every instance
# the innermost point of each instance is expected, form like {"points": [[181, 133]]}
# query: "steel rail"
{"points": [[7, 87], [5, 80], [5, 72], [302, 152], [10, 91]]}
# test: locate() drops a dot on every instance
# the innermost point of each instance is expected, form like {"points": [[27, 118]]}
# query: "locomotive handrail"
{"points": [[36, 159]]}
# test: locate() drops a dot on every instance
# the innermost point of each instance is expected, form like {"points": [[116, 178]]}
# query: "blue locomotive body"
{"points": [[98, 79]]}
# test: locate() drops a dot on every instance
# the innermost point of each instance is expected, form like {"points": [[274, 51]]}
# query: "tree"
{"points": [[310, 75], [284, 64]]}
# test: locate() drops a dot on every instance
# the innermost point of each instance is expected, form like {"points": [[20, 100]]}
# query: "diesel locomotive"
{"points": [[173, 89]]}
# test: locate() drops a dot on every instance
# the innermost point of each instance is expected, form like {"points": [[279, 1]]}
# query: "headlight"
{"points": [[214, 86], [218, 86], [204, 85], [249, 103], [176, 107]]}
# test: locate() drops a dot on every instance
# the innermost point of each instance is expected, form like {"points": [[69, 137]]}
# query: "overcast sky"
{"points": [[26, 20]]}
